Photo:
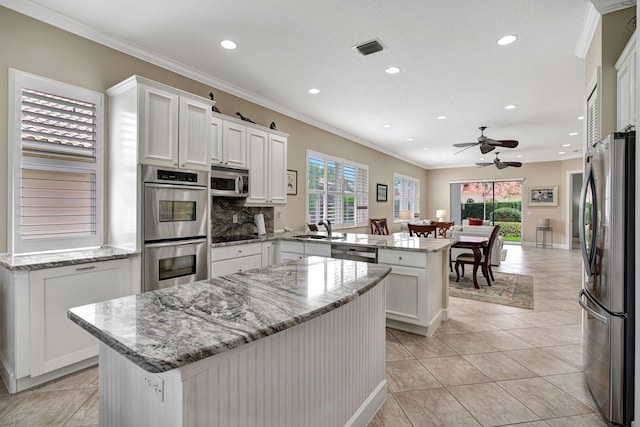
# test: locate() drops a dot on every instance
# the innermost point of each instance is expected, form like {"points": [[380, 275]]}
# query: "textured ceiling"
{"points": [[446, 49]]}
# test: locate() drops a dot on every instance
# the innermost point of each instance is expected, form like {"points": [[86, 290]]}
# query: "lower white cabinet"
{"points": [[318, 249], [55, 340], [236, 258], [268, 253], [288, 251]]}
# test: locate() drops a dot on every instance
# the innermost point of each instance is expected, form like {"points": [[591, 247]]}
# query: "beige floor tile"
{"points": [[87, 414], [51, 408], [491, 405], [540, 362], [503, 340], [532, 424], [569, 334], [551, 318], [468, 343], [434, 408], [390, 415], [498, 367], [454, 370], [397, 351], [426, 347], [477, 323], [537, 337], [544, 399], [507, 321], [451, 326], [575, 385], [571, 354], [87, 378], [593, 420], [403, 375]]}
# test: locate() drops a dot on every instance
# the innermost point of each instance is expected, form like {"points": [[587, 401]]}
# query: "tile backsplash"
{"points": [[223, 210]]}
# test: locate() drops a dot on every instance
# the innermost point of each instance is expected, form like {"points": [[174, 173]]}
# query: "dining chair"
{"points": [[379, 226], [312, 227], [443, 227], [422, 230], [485, 259]]}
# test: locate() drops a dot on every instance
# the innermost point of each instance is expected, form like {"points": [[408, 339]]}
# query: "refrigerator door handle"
{"points": [[592, 312]]}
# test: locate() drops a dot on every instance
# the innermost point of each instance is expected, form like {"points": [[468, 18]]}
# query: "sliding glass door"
{"points": [[499, 202]]}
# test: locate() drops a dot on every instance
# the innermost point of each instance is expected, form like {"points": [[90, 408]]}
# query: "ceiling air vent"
{"points": [[369, 47]]}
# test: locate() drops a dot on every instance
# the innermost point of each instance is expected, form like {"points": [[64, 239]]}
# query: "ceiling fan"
{"points": [[487, 144], [500, 164]]}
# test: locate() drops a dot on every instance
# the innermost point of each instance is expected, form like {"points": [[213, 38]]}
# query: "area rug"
{"points": [[515, 290]]}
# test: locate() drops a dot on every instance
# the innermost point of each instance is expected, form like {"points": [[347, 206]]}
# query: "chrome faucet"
{"points": [[327, 224]]}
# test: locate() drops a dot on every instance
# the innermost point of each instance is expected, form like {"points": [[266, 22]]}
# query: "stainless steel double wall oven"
{"points": [[174, 227]]}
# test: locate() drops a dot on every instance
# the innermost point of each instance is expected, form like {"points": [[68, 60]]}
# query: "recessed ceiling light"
{"points": [[392, 70], [510, 107], [580, 117], [409, 139], [566, 145], [228, 44], [442, 117], [426, 149], [561, 152], [447, 161], [314, 91], [386, 126], [573, 133], [508, 39], [519, 156]]}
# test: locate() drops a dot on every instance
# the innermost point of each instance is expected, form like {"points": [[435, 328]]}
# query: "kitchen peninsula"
{"points": [[299, 343]]}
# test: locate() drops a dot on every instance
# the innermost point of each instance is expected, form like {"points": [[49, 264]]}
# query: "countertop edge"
{"points": [[63, 258]]}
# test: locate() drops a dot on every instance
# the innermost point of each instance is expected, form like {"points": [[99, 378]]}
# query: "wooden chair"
{"points": [[443, 227], [485, 259], [379, 226], [422, 230], [312, 227]]}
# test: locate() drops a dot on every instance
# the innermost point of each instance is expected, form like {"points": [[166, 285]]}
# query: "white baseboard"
{"points": [[369, 407]]}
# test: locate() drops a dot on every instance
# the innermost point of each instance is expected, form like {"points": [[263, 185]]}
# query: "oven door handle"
{"points": [[175, 243], [176, 187]]}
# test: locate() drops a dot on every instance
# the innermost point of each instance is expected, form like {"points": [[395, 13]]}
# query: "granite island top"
{"points": [[42, 260], [400, 241], [172, 327]]}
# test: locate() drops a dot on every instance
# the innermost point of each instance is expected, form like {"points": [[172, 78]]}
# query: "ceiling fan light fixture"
{"points": [[506, 40]]}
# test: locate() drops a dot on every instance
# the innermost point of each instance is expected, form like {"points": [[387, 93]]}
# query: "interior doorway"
{"points": [[574, 184]]}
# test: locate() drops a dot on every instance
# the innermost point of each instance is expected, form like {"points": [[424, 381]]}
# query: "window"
{"points": [[406, 195], [337, 190], [55, 155]]}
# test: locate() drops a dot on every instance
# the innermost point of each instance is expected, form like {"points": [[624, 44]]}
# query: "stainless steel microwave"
{"points": [[229, 182]]}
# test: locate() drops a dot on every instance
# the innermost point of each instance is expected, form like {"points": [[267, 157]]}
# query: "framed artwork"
{"points": [[381, 193], [543, 196], [292, 182]]}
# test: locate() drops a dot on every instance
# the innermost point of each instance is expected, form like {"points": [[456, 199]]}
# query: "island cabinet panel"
{"points": [[55, 341], [328, 371]]}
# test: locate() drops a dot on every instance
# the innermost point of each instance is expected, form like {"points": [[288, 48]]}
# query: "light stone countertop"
{"points": [[42, 260], [179, 325]]}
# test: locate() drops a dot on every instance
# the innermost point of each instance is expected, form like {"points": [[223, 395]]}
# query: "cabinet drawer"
{"points": [[288, 246], [235, 265], [235, 251], [405, 258]]}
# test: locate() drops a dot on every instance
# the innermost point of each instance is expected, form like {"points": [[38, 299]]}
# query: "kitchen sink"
{"points": [[334, 236]]}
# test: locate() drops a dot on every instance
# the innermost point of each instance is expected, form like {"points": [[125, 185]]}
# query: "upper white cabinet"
{"points": [[174, 127], [228, 142], [267, 167], [626, 86]]}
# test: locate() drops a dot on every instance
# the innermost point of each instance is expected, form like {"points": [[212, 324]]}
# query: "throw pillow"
{"points": [[475, 221]]}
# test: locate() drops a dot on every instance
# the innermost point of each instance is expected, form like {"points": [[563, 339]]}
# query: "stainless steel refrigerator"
{"points": [[607, 238]]}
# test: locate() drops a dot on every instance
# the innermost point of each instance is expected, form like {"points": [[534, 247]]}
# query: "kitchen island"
{"points": [[300, 343]]}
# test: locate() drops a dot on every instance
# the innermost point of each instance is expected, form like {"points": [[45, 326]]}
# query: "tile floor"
{"points": [[489, 365], [494, 365]]}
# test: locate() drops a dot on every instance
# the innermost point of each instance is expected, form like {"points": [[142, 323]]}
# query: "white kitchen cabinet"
{"points": [[235, 258], [317, 249], [626, 86], [38, 342], [267, 163], [215, 143], [268, 253], [230, 150], [174, 127], [414, 290], [289, 250], [55, 341]]}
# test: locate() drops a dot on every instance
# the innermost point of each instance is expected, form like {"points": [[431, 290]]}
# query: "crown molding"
{"points": [[608, 6], [588, 31]]}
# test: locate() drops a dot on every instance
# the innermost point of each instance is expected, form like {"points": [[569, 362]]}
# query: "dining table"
{"points": [[476, 244]]}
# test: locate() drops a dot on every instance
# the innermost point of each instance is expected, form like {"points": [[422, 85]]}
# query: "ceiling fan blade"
{"points": [[485, 148], [501, 165], [466, 148], [508, 143], [484, 164], [513, 164], [465, 144]]}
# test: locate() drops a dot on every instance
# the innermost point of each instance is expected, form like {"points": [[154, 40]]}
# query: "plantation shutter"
{"points": [[406, 195]]}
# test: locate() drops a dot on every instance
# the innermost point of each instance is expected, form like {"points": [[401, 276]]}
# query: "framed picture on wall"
{"points": [[543, 196], [381, 193], [292, 182]]}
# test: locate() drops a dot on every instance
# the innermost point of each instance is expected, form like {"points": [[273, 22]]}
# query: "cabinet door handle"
{"points": [[91, 267], [399, 257]]}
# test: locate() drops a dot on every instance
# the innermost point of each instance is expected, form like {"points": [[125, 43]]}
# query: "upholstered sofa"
{"points": [[483, 230]]}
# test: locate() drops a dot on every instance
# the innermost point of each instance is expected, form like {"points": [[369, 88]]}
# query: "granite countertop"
{"points": [[179, 325], [42, 260], [400, 241]]}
